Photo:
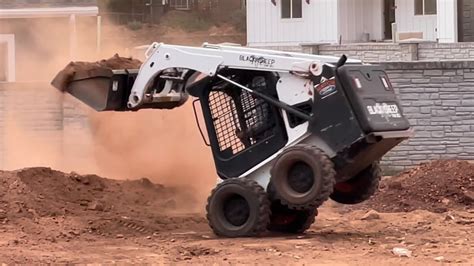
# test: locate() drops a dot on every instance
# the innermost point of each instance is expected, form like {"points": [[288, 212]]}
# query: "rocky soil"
{"points": [[423, 216], [438, 187]]}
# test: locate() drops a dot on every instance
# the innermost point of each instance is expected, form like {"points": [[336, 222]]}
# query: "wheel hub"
{"points": [[236, 210], [300, 177], [344, 187]]}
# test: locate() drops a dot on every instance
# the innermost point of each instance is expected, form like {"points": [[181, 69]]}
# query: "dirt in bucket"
{"points": [[116, 62]]}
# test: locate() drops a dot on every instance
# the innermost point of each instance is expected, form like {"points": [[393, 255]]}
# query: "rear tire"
{"points": [[359, 188], [303, 177], [285, 220], [238, 207]]}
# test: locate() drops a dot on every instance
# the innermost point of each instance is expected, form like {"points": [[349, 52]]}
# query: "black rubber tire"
{"points": [[228, 221], [360, 187], [322, 177], [285, 220]]}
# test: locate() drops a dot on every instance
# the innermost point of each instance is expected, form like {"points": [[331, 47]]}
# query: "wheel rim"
{"points": [[236, 210], [300, 177], [344, 187]]}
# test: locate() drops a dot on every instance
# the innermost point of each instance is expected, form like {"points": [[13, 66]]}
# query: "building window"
{"points": [[291, 8], [3, 58], [425, 7]]}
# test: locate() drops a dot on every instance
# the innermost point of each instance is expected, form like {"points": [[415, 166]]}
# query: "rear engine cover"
{"points": [[372, 98]]}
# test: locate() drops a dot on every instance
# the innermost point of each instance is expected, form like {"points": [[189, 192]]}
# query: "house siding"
{"points": [[407, 21], [346, 21], [45, 3], [358, 17], [266, 28]]}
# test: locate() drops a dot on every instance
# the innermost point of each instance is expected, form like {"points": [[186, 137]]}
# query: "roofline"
{"points": [[41, 12]]}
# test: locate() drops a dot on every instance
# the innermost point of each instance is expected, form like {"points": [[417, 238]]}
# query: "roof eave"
{"points": [[48, 12]]}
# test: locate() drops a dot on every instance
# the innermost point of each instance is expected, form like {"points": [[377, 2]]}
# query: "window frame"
{"points": [[291, 17], [9, 41], [423, 8]]}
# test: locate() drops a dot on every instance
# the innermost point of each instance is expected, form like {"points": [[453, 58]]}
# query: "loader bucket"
{"points": [[102, 89]]}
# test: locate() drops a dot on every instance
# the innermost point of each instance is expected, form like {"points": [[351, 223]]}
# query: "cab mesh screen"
{"points": [[240, 119]]}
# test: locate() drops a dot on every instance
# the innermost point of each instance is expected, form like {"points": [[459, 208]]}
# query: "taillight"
{"points": [[386, 83], [357, 83]]}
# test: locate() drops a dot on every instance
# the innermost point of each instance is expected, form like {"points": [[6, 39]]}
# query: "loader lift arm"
{"points": [[209, 61]]}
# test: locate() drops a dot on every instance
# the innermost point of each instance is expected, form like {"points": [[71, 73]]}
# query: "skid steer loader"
{"points": [[288, 131]]}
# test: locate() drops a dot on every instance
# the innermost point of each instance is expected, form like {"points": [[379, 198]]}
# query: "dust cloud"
{"points": [[162, 145], [26, 148]]}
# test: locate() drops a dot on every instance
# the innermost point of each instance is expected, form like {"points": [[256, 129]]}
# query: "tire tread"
{"points": [[328, 175], [263, 201]]}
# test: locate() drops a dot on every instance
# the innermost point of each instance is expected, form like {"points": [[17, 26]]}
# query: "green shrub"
{"points": [[188, 21], [134, 25], [239, 20]]}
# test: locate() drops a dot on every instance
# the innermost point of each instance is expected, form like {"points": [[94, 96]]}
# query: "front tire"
{"points": [[303, 177], [238, 207], [359, 188]]}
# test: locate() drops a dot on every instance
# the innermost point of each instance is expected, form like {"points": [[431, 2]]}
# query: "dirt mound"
{"points": [[81, 70], [438, 186], [117, 62], [53, 199], [51, 193]]}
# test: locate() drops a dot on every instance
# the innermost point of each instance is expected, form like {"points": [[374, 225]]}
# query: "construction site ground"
{"points": [[48, 216]]}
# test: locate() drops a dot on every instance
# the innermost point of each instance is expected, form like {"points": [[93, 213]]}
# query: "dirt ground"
{"points": [[48, 216], [437, 186]]}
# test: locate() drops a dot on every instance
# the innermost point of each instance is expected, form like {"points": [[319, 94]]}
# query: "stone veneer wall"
{"points": [[438, 99], [389, 52], [445, 51], [372, 52]]}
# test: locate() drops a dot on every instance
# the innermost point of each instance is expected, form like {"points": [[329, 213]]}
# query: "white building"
{"points": [[21, 48], [37, 38], [294, 22]]}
